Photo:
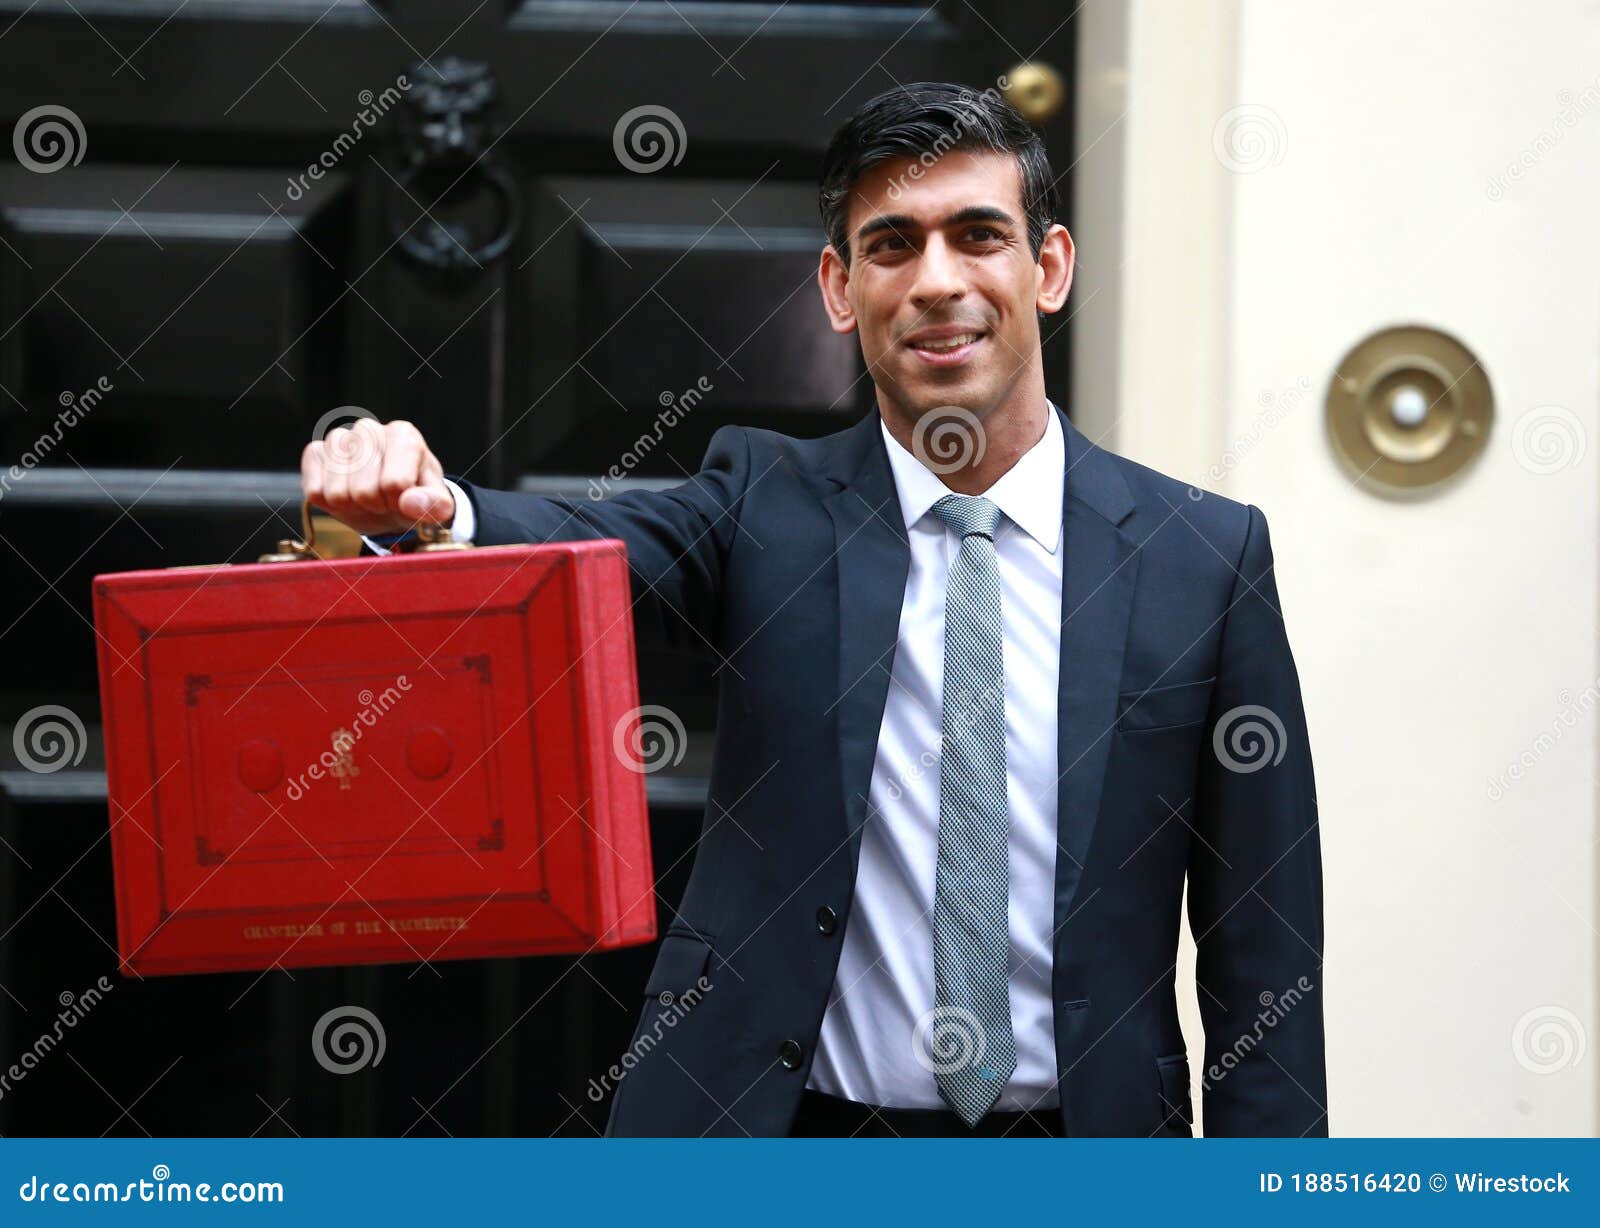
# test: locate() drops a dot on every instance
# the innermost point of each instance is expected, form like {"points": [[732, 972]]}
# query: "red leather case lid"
{"points": [[363, 760]]}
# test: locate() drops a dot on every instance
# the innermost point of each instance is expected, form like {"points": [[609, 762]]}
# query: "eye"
{"points": [[984, 234], [884, 243]]}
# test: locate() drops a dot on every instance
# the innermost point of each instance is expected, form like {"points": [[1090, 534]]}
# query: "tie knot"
{"points": [[969, 514]]}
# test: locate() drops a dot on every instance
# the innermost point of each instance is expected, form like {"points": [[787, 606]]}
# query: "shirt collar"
{"points": [[1029, 493]]}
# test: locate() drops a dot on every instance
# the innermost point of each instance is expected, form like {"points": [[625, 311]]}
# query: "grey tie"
{"points": [[971, 936]]}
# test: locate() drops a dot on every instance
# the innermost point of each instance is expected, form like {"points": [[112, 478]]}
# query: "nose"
{"points": [[940, 275]]}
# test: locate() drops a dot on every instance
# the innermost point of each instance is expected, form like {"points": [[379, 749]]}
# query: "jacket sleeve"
{"points": [[1255, 876], [678, 539]]}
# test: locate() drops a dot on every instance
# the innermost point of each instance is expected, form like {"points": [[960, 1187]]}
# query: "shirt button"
{"points": [[827, 920], [790, 1054]]}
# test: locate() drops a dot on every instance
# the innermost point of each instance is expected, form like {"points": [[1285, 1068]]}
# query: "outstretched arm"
{"points": [[381, 479], [678, 539]]}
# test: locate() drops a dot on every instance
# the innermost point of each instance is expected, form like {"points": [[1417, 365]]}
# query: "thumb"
{"points": [[430, 504]]}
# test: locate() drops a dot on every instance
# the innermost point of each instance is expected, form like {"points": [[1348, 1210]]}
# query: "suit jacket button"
{"points": [[790, 1054], [827, 920]]}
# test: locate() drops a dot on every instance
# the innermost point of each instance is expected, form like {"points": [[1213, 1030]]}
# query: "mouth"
{"points": [[941, 349]]}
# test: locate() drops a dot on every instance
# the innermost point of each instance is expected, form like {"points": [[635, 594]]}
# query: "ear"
{"points": [[1055, 269], [833, 279]]}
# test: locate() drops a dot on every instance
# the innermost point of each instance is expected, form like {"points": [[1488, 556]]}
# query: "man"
{"points": [[988, 695]]}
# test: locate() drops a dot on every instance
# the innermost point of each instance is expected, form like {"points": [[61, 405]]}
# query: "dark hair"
{"points": [[924, 120]]}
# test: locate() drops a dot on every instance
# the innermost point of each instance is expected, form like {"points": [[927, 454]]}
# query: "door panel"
{"points": [[567, 238]]}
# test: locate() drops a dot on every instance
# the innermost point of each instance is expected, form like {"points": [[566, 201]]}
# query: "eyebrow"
{"points": [[904, 222]]}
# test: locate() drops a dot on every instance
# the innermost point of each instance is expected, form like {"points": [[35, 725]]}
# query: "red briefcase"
{"points": [[336, 761]]}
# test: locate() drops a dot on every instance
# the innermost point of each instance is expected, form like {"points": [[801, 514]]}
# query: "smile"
{"points": [[947, 351]]}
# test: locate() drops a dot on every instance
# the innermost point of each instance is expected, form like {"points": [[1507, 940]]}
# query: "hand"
{"points": [[376, 477]]}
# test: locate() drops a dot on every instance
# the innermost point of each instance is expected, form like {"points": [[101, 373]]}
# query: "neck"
{"points": [[989, 443]]}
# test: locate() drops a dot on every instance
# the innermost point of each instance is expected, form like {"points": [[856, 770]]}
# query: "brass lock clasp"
{"points": [[429, 537]]}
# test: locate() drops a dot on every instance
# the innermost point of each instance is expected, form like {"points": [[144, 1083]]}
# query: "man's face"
{"points": [[942, 284]]}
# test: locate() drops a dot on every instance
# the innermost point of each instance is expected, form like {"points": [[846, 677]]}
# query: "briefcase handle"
{"points": [[429, 537]]}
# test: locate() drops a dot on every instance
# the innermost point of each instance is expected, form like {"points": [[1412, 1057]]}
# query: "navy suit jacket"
{"points": [[1183, 754]]}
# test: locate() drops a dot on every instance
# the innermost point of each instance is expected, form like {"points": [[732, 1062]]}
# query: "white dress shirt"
{"points": [[871, 1043]]}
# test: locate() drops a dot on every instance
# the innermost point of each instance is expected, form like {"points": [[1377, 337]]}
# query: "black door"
{"points": [[569, 239]]}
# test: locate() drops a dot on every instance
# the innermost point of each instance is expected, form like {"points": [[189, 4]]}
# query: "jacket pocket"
{"points": [[1167, 707], [1177, 1111], [680, 964]]}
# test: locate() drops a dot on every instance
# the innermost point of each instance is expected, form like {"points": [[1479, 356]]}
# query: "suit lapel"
{"points": [[1099, 571], [873, 557]]}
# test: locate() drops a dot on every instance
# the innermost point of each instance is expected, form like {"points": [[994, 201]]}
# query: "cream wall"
{"points": [[1225, 269]]}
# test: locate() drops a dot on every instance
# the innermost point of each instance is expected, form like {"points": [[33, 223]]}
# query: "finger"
{"points": [[401, 468], [429, 504], [365, 465], [432, 470], [311, 473], [335, 484]]}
